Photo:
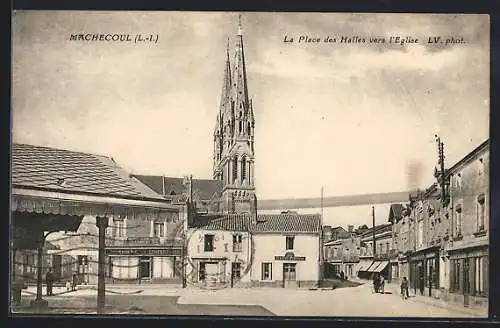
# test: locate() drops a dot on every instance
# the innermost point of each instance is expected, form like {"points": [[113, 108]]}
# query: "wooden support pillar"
{"points": [[39, 302], [102, 224]]}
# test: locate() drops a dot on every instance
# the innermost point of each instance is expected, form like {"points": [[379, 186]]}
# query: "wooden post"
{"points": [[39, 302], [102, 224]]}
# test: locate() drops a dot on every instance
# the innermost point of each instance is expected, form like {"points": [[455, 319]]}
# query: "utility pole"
{"points": [[373, 232], [441, 175]]}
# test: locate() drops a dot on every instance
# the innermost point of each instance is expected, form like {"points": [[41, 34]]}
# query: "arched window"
{"points": [[243, 169], [235, 168], [249, 129], [240, 126]]}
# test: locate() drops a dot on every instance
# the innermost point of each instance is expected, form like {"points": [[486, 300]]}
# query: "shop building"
{"points": [[469, 222], [242, 250]]}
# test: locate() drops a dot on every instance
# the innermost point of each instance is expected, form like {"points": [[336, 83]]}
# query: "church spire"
{"points": [[239, 74]]}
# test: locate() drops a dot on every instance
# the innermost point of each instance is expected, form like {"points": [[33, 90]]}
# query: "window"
{"points": [[240, 126], [481, 167], [249, 129], [209, 243], [289, 242], [236, 270], [235, 169], [267, 271], [243, 168], [119, 228], [237, 243], [420, 237], [458, 180], [479, 276], [458, 222], [159, 229], [335, 252], [480, 213]]}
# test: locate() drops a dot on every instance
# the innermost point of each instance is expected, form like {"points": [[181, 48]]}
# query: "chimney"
{"points": [[350, 228], [163, 184]]}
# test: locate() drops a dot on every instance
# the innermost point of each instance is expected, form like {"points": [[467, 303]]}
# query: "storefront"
{"points": [[144, 265], [469, 276], [424, 271]]}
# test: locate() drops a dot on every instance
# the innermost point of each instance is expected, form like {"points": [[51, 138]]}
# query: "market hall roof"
{"points": [[265, 223], [64, 170], [59, 174]]}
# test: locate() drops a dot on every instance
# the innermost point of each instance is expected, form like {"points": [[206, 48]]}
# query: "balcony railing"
{"points": [[145, 241]]}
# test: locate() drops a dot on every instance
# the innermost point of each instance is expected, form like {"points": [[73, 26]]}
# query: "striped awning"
{"points": [[365, 267]]}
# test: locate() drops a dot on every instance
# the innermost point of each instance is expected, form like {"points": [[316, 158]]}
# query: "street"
{"points": [[355, 301]]}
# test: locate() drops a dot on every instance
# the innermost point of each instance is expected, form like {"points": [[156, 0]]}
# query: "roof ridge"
{"points": [[64, 150]]}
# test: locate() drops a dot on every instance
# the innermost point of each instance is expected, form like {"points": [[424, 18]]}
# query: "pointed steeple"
{"points": [[239, 79], [226, 83]]}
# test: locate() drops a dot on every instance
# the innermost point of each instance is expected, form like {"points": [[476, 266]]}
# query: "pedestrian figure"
{"points": [[341, 275], [421, 284], [49, 280], [404, 288], [381, 284], [74, 282], [375, 282]]}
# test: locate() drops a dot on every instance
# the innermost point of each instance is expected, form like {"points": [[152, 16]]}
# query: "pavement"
{"points": [[358, 301]]}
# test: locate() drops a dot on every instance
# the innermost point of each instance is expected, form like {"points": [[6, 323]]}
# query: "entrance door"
{"points": [[289, 275], [211, 273], [145, 268], [235, 273]]}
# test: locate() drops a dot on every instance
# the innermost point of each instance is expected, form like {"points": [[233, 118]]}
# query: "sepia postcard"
{"points": [[250, 164]]}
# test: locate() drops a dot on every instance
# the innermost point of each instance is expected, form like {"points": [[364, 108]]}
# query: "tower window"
{"points": [[240, 126], [243, 168], [248, 128], [235, 169]]}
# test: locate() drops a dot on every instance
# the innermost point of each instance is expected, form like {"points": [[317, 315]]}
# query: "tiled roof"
{"points": [[395, 212], [203, 189], [310, 223], [266, 223], [229, 222], [69, 171]]}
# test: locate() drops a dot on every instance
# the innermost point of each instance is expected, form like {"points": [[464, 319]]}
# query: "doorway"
{"points": [[235, 273], [145, 268], [289, 275]]}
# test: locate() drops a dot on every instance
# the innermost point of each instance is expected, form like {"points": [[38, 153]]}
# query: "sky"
{"points": [[351, 118]]}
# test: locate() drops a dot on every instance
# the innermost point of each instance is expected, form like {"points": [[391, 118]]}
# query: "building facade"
{"points": [[243, 250], [219, 253], [442, 237], [468, 224], [342, 255], [377, 263]]}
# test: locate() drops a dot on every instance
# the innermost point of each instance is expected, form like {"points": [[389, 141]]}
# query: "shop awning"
{"points": [[381, 266], [365, 267]]}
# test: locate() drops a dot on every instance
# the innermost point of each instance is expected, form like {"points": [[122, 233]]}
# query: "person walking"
{"points": [[49, 280], [375, 282], [74, 282], [404, 289], [382, 284]]}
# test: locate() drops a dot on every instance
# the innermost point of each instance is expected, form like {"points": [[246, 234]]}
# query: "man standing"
{"points": [[49, 280]]}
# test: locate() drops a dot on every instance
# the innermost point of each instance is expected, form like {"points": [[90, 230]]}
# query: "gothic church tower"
{"points": [[234, 135]]}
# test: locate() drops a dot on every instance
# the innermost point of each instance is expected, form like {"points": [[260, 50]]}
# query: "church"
{"points": [[231, 189]]}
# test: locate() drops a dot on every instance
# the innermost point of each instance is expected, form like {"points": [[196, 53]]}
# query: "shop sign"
{"points": [[289, 256], [144, 251]]}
